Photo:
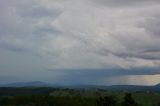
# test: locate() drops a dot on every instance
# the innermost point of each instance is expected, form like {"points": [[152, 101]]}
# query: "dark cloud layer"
{"points": [[88, 76]]}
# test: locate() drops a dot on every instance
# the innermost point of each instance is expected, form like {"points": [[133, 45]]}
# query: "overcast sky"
{"points": [[80, 41]]}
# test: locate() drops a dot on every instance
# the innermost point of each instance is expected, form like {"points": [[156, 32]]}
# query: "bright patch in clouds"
{"points": [[135, 80]]}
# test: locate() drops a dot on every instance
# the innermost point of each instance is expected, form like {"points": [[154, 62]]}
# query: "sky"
{"points": [[100, 42]]}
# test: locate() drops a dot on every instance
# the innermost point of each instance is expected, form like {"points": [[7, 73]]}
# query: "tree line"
{"points": [[49, 100]]}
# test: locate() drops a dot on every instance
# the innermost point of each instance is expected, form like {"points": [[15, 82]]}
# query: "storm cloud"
{"points": [[111, 35]]}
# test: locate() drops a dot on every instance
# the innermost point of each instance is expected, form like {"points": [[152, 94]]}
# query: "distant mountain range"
{"points": [[110, 88]]}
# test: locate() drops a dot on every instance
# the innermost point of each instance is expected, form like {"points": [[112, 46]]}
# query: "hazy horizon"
{"points": [[100, 42], [50, 84]]}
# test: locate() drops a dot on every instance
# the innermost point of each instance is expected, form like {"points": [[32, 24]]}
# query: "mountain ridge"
{"points": [[109, 87]]}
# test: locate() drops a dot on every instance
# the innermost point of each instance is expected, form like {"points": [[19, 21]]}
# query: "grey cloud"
{"points": [[125, 40], [147, 54], [126, 3], [143, 41], [108, 72], [35, 12], [43, 30], [97, 76], [152, 24], [82, 36], [25, 23], [13, 48]]}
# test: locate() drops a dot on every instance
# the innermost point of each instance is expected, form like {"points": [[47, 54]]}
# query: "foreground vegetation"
{"points": [[75, 97]]}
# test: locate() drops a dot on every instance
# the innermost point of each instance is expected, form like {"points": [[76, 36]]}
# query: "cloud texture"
{"points": [[80, 34]]}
